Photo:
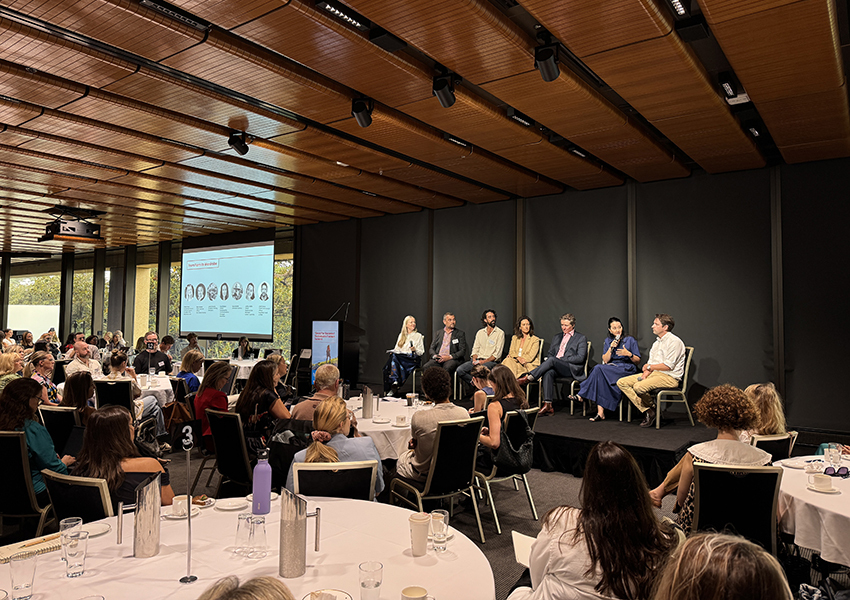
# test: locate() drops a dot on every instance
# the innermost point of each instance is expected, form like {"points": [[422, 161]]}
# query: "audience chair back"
{"points": [[778, 446], [231, 381], [58, 375], [269, 351], [354, 480], [18, 496], [740, 499], [180, 389], [84, 497], [118, 392], [230, 449], [208, 362], [59, 422]]}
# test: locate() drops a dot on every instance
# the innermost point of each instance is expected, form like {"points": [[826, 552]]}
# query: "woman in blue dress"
{"points": [[619, 359]]}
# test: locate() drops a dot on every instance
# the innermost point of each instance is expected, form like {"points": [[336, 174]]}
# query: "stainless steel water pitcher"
{"points": [[368, 402], [293, 534], [146, 523]]}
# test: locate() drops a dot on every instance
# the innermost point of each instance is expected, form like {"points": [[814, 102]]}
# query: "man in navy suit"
{"points": [[448, 349], [565, 359]]}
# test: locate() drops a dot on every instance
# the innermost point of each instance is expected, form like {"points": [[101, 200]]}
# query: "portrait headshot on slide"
{"points": [[200, 292], [189, 292], [225, 291], [212, 291], [264, 292], [237, 291], [249, 292]]}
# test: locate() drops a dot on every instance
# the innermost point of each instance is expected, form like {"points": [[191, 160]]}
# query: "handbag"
{"points": [[512, 460]]}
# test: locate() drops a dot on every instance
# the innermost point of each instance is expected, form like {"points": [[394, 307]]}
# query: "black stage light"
{"points": [[444, 89], [361, 110], [239, 142], [546, 61]]}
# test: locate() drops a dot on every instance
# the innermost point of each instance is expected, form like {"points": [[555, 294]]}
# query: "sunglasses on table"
{"points": [[839, 472]]}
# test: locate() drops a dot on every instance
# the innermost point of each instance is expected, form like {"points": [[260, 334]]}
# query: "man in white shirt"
{"points": [[664, 369], [83, 362], [487, 347]]}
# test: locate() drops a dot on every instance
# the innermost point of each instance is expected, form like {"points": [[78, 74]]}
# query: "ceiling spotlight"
{"points": [[578, 151], [361, 110], [345, 14], [519, 117], [752, 127], [239, 142], [728, 84], [680, 7], [546, 61], [444, 90]]}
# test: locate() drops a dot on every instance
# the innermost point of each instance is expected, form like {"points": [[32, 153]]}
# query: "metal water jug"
{"points": [[368, 402], [146, 523], [293, 534]]}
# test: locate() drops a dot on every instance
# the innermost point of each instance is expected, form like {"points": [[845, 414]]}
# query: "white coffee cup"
{"points": [[420, 524], [179, 506], [820, 481], [143, 380], [401, 419], [415, 592]]}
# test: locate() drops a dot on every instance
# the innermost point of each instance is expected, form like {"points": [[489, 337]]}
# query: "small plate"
{"points": [[379, 421], [829, 491], [337, 594], [794, 464], [207, 504], [250, 497], [97, 529], [169, 515], [231, 504]]}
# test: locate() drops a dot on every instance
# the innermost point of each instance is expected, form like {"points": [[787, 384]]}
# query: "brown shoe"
{"points": [[546, 410], [649, 418], [523, 381]]}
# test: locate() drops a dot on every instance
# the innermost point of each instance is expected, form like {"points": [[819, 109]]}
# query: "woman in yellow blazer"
{"points": [[524, 354]]}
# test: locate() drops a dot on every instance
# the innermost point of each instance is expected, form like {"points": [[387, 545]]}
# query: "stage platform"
{"points": [[562, 442]]}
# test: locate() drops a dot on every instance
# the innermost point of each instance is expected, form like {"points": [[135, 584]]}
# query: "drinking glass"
{"points": [[66, 526], [439, 529], [833, 455], [243, 533], [257, 546], [371, 577], [23, 574], [75, 552]]}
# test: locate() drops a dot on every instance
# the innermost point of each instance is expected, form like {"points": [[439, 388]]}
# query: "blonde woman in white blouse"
{"points": [[404, 357]]}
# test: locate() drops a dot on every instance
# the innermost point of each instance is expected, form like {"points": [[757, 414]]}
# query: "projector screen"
{"points": [[227, 291]]}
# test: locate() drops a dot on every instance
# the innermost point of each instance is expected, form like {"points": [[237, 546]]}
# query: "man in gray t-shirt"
{"points": [[437, 385]]}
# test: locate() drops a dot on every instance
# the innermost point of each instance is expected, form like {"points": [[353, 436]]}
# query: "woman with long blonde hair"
{"points": [[771, 413], [404, 357], [331, 426]]}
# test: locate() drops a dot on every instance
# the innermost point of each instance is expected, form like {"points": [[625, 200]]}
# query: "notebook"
{"points": [[522, 547], [46, 543]]}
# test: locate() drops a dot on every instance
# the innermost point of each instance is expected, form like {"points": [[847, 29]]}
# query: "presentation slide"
{"points": [[325, 345], [227, 291]]}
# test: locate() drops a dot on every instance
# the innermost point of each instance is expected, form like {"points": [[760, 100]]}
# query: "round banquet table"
{"points": [[818, 521], [390, 440], [161, 390], [245, 367], [352, 531]]}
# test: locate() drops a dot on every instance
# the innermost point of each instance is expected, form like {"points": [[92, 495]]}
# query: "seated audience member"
{"points": [[566, 358], [326, 385], [405, 356], [524, 353], [10, 366], [729, 410], [283, 390], [259, 588], [165, 345], [18, 403], [610, 548], [73, 338], [27, 343], [486, 348], [664, 369], [437, 385], [448, 348], [507, 396], [210, 396], [109, 453], [331, 426], [94, 343], [40, 368], [483, 388], [116, 342], [259, 405], [8, 340], [191, 364], [620, 355], [83, 361], [79, 388], [718, 566], [105, 340], [118, 369], [140, 345], [151, 357], [192, 338], [243, 350]]}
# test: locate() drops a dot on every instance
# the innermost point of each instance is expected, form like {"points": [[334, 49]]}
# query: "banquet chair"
{"points": [[740, 499], [59, 422], [778, 446], [230, 449], [180, 389], [117, 392], [58, 375], [452, 471], [84, 497], [516, 432], [231, 381], [269, 351], [675, 394], [208, 362], [355, 480], [18, 496]]}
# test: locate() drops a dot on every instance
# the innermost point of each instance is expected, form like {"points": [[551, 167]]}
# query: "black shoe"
{"points": [[575, 398], [597, 418], [649, 418]]}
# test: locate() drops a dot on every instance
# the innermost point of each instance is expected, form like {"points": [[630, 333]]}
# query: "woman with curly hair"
{"points": [[729, 410], [613, 547], [331, 426]]}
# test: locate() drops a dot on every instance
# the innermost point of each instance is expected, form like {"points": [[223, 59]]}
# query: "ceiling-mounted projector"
{"points": [[63, 230]]}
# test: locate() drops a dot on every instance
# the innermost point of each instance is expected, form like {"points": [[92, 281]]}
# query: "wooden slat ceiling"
{"points": [[114, 106]]}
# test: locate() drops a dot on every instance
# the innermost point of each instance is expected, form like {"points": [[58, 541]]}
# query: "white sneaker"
{"points": [[389, 394]]}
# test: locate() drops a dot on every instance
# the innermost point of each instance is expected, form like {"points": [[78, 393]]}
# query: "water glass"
{"points": [[257, 545], [243, 533], [23, 574], [66, 526], [371, 577], [833, 455], [439, 529], [75, 552]]}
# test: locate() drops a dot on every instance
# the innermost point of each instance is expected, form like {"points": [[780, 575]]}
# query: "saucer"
{"points": [[829, 491], [274, 496], [231, 504], [401, 424], [336, 594], [794, 463], [380, 420], [170, 515], [96, 529]]}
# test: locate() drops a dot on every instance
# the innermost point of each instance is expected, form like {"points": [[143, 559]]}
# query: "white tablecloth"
{"points": [[818, 521], [163, 391], [352, 531], [245, 367], [391, 441]]}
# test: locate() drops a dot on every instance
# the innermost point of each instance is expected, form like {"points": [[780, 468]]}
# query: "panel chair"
{"points": [[59, 422], [452, 471], [741, 499], [778, 446], [354, 479], [675, 394], [515, 428], [117, 392], [84, 497], [540, 349], [561, 381], [18, 497], [230, 450]]}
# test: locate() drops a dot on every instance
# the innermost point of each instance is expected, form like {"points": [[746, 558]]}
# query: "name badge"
{"points": [[454, 341], [520, 352], [492, 342], [162, 362]]}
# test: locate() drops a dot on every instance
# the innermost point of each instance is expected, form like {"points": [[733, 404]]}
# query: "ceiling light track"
{"points": [[175, 13], [344, 14]]}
